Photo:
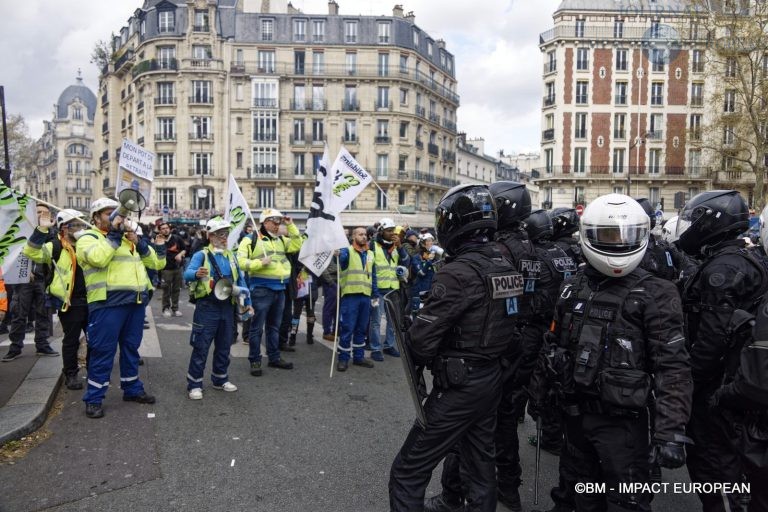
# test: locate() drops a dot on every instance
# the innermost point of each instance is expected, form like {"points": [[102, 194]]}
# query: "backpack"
{"points": [[747, 360]]}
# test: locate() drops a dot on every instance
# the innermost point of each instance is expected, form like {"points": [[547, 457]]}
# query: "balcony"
{"points": [[602, 33], [264, 102], [200, 172], [318, 140], [620, 99], [140, 141], [205, 63], [350, 106], [655, 135], [203, 137], [140, 106], [434, 118], [449, 125], [449, 155], [79, 190], [548, 135], [104, 99], [165, 137], [104, 157], [606, 173], [105, 128], [201, 28], [620, 134], [697, 101], [201, 99], [382, 139], [432, 149], [125, 58], [420, 177], [549, 101], [732, 178], [264, 137], [697, 67], [165, 172], [165, 101], [262, 172], [150, 65], [350, 139], [298, 141], [383, 106], [421, 111], [316, 105], [419, 144], [237, 68], [550, 67]]}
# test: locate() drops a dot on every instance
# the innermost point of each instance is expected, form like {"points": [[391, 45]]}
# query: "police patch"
{"points": [[505, 286], [564, 264], [716, 280], [438, 291]]}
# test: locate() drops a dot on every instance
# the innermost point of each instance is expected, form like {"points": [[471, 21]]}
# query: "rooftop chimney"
{"points": [[410, 18], [441, 44], [397, 11], [333, 8]]}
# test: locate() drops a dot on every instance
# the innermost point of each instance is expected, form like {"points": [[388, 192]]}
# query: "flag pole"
{"points": [[336, 323]]}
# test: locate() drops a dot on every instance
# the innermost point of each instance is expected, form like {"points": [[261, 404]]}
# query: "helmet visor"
{"points": [[616, 238]]}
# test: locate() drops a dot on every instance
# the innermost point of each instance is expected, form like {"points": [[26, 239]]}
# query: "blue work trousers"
{"points": [[107, 328], [374, 336], [267, 314], [355, 314], [213, 322]]}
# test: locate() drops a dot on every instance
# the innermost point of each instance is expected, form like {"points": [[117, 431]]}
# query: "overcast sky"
{"points": [[44, 42]]}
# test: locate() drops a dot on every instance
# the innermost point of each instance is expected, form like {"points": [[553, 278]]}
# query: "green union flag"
{"points": [[17, 214]]}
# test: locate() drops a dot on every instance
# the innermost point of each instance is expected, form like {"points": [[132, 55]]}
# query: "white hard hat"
{"points": [[103, 203], [614, 234], [669, 230], [764, 228], [217, 224], [386, 223], [65, 216], [139, 231], [269, 212], [425, 236]]}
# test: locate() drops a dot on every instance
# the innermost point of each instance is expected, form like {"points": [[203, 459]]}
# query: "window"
{"points": [[167, 167], [265, 162], [382, 130], [729, 134], [403, 96], [201, 91], [298, 164], [318, 132], [657, 93], [582, 96], [621, 59], [731, 67], [382, 98], [549, 160], [299, 30], [350, 98], [618, 160], [658, 59], [581, 126], [655, 29], [401, 197], [381, 200], [578, 195], [201, 21], [415, 38], [166, 128], [298, 198], [298, 130], [618, 189], [694, 161], [201, 52], [697, 61], [621, 93], [267, 30], [298, 62], [618, 29], [579, 160], [266, 61], [656, 127], [166, 57], [697, 94], [265, 94], [166, 21], [77, 113], [316, 157], [404, 64], [403, 129], [580, 25], [202, 163], [654, 196], [382, 166], [695, 127], [201, 127], [430, 47], [582, 59], [318, 63], [239, 159], [165, 93], [299, 97], [266, 197], [166, 197], [350, 130], [383, 30], [654, 161], [265, 126], [549, 99], [383, 64], [350, 31], [619, 126], [551, 65], [318, 31], [351, 63], [318, 98], [729, 101]]}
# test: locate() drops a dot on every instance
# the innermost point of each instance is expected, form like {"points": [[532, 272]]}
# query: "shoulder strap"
{"points": [[56, 252], [215, 265]]}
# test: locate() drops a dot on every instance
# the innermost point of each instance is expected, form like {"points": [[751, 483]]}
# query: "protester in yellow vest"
{"points": [[262, 255], [66, 291], [113, 260], [358, 293]]}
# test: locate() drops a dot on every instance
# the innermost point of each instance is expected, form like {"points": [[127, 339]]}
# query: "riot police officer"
{"points": [[661, 258], [565, 222], [461, 333], [556, 266], [617, 334], [730, 278]]}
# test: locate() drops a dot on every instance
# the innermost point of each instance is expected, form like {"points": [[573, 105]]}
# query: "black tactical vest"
{"points": [[556, 266], [523, 255], [658, 260]]}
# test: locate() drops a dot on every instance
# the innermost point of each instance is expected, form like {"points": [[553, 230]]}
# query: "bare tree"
{"points": [[736, 67], [21, 147]]}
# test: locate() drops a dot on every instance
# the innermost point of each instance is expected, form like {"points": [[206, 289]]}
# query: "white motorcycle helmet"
{"points": [[614, 234], [669, 231], [764, 229]]}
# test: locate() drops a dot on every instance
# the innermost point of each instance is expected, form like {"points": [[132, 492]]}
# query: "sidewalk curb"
{"points": [[27, 409]]}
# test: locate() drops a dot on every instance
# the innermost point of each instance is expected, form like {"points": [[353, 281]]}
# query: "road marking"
{"points": [[150, 344], [233, 463]]}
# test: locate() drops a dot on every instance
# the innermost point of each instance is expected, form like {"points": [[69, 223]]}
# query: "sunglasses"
{"points": [[276, 220]]}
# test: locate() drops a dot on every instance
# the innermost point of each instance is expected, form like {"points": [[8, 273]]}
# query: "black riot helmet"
{"points": [[565, 222], [539, 226], [646, 204], [710, 218], [513, 201], [464, 211]]}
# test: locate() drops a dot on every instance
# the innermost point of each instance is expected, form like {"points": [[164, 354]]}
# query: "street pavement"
{"points": [[291, 440]]}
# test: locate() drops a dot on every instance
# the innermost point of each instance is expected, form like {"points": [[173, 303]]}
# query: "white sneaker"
{"points": [[196, 394], [227, 386], [178, 313], [167, 313]]}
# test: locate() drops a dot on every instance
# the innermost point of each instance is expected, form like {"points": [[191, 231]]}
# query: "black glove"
{"points": [[668, 454]]}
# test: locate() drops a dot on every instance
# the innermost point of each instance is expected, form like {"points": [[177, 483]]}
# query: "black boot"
{"points": [[292, 339], [509, 498], [72, 382], [310, 328], [439, 504]]}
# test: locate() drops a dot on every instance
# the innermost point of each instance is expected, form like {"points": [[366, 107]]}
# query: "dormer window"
{"points": [[166, 21], [77, 113]]}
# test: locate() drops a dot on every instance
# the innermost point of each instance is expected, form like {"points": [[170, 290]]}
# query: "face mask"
{"points": [[78, 234], [217, 250], [273, 234]]}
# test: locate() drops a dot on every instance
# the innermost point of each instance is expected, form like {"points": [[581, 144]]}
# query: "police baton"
{"points": [[538, 460]]}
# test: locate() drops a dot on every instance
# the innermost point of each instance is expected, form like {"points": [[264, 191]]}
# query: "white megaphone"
{"points": [[131, 201], [224, 289]]}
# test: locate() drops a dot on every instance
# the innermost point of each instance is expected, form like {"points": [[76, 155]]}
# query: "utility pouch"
{"points": [[625, 388], [588, 353], [455, 372]]}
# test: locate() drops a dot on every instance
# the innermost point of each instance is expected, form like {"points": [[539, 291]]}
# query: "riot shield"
{"points": [[414, 376]]}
